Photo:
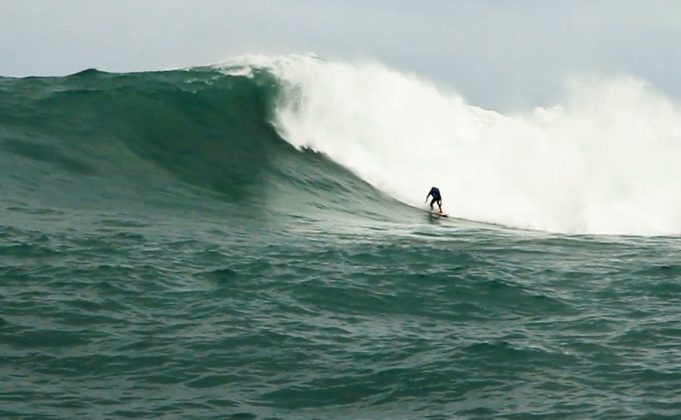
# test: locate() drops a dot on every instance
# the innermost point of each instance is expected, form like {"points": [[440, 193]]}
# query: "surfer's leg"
{"points": [[439, 204], [431, 203]]}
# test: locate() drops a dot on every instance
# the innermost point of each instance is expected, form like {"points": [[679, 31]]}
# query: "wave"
{"points": [[602, 162], [306, 135]]}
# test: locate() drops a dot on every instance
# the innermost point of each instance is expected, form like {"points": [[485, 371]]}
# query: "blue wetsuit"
{"points": [[437, 198]]}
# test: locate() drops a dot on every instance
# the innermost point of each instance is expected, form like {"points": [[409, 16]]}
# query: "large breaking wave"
{"points": [[602, 161], [605, 160]]}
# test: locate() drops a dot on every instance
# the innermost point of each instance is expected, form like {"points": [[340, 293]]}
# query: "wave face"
{"points": [[190, 138], [364, 137]]}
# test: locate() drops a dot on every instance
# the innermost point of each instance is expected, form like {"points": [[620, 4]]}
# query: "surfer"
{"points": [[437, 198]]}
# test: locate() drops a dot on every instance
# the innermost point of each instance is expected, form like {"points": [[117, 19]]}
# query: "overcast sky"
{"points": [[498, 53]]}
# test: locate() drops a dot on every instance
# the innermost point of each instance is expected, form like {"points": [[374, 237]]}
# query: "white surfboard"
{"points": [[437, 213]]}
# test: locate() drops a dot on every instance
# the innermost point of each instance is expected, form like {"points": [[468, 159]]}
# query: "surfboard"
{"points": [[437, 213]]}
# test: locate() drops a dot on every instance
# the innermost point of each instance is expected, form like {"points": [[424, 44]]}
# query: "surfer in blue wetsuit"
{"points": [[437, 198]]}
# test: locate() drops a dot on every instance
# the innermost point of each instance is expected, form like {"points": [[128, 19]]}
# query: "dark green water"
{"points": [[164, 253]]}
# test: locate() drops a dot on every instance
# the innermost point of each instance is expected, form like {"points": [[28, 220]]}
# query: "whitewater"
{"points": [[601, 161]]}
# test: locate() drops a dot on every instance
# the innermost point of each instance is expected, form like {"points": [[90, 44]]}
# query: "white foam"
{"points": [[606, 160]]}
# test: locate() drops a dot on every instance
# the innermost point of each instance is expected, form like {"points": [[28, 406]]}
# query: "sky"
{"points": [[499, 54]]}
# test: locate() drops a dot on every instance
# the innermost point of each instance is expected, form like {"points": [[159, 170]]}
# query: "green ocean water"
{"points": [[165, 253]]}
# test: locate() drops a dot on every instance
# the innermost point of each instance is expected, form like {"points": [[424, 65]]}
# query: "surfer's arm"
{"points": [[429, 194]]}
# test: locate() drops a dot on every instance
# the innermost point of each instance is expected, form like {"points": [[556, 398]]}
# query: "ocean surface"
{"points": [[249, 240]]}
